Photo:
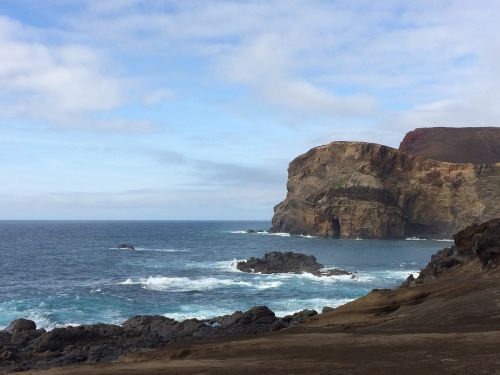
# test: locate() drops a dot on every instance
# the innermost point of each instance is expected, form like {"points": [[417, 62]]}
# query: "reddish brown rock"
{"points": [[366, 190], [457, 145]]}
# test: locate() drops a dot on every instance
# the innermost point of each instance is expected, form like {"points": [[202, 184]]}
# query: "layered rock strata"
{"points": [[366, 190]]}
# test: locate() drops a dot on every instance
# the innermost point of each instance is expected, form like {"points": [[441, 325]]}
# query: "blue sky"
{"points": [[192, 109]]}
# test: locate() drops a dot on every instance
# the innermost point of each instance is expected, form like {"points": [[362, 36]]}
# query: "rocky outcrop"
{"points": [[289, 262], [456, 291], [366, 190], [23, 346], [457, 145], [480, 241]]}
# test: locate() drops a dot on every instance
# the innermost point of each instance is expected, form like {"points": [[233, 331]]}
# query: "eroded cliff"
{"points": [[366, 190]]}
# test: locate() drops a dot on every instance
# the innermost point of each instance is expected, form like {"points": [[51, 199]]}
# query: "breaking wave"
{"points": [[185, 284]]}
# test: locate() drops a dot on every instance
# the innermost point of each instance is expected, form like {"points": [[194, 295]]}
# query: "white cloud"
{"points": [[159, 96], [55, 83], [380, 60]]}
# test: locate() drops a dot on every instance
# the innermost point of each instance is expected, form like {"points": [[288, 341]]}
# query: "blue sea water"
{"points": [[71, 272]]}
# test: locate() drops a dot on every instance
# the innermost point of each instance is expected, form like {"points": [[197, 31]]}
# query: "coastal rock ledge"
{"points": [[367, 190], [289, 262]]}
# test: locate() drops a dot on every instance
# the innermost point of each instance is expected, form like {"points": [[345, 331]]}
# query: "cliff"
{"points": [[366, 190], [457, 145]]}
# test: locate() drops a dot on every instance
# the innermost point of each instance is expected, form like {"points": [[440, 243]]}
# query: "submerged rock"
{"points": [[255, 230], [126, 246], [289, 262]]}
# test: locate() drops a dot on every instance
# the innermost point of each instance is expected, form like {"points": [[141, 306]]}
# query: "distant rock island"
{"points": [[456, 145], [367, 190]]}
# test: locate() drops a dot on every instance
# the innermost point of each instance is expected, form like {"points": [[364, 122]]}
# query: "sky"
{"points": [[130, 109]]}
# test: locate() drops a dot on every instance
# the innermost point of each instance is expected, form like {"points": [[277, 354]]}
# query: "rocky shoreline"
{"points": [[456, 292], [23, 346]]}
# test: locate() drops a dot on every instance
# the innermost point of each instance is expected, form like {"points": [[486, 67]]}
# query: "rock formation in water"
{"points": [[366, 190], [289, 262], [457, 145]]}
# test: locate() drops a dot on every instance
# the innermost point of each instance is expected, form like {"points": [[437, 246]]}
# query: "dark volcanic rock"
{"points": [[299, 317], [26, 347], [480, 241], [20, 325], [289, 262], [457, 145], [277, 262], [126, 246], [258, 315], [410, 281]]}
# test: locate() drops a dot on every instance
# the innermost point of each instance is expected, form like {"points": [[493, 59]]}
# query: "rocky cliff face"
{"points": [[457, 145], [365, 190]]}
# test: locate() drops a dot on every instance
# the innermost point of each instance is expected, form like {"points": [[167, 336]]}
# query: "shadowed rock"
{"points": [[25, 347], [289, 262], [20, 325]]}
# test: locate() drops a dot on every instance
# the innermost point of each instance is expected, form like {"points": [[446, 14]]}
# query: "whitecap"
{"points": [[415, 239], [444, 240], [163, 250], [293, 305], [185, 284]]}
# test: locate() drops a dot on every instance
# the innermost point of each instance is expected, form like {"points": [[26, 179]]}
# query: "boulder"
{"points": [[149, 326], [257, 315], [299, 317], [20, 325]]}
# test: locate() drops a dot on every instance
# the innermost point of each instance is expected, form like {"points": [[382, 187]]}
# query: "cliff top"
{"points": [[457, 145]]}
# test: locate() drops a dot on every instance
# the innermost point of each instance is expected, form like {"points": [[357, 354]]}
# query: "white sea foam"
{"points": [[163, 250], [279, 234], [444, 240], [415, 239], [266, 233], [185, 284], [292, 305]]}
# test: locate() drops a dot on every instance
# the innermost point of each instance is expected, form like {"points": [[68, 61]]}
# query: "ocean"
{"points": [[61, 273]]}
